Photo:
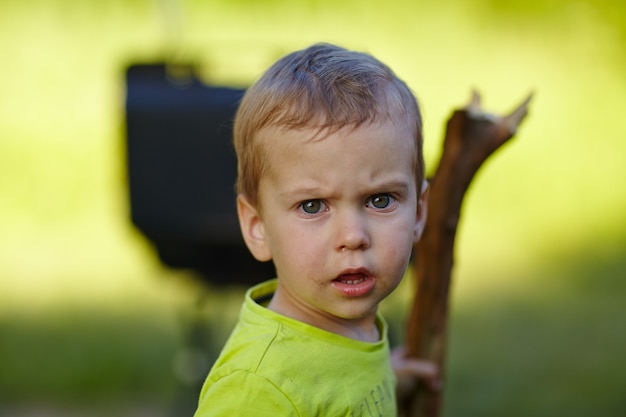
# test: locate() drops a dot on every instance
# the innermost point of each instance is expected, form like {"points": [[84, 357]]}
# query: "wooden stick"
{"points": [[471, 137]]}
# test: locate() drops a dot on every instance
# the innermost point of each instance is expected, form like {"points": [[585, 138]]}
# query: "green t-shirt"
{"points": [[273, 366]]}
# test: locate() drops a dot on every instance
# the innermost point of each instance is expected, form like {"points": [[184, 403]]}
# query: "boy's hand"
{"points": [[409, 372]]}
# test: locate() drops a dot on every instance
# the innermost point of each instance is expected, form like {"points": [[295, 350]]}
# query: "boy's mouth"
{"points": [[352, 279], [354, 283]]}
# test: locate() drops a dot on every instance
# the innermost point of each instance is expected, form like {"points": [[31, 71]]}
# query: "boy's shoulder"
{"points": [[286, 361]]}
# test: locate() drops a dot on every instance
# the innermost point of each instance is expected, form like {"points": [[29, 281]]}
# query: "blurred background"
{"points": [[91, 323]]}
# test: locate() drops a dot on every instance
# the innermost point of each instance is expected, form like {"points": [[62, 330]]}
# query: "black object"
{"points": [[182, 170]]}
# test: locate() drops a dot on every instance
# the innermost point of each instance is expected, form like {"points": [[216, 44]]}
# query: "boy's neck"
{"points": [[364, 330]]}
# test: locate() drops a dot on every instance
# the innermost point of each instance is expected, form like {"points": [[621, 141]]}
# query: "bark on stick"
{"points": [[472, 135]]}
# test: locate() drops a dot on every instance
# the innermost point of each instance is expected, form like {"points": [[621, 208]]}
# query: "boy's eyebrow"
{"points": [[302, 191], [389, 184], [397, 185], [392, 185]]}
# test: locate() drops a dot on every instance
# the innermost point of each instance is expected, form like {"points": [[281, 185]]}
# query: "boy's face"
{"points": [[339, 217]]}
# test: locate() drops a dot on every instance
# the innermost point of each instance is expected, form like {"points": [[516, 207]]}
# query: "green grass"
{"points": [[84, 356], [89, 317], [555, 348]]}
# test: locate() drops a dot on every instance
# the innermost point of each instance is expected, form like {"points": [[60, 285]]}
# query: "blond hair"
{"points": [[323, 87]]}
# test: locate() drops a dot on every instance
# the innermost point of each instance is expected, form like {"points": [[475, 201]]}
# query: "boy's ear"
{"points": [[422, 212], [252, 229]]}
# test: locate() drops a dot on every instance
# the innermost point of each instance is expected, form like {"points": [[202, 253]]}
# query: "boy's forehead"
{"points": [[314, 132], [281, 142]]}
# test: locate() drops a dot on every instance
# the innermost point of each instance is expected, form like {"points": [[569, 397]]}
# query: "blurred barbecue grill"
{"points": [[181, 173]]}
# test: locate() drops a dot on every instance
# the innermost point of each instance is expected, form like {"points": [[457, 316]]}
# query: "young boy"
{"points": [[331, 189]]}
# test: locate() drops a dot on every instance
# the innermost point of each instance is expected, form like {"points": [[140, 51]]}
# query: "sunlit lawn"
{"points": [[89, 318]]}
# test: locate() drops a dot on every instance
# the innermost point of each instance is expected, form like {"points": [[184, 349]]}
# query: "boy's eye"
{"points": [[380, 201], [312, 206]]}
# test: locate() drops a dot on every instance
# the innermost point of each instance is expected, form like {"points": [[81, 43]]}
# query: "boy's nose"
{"points": [[352, 232]]}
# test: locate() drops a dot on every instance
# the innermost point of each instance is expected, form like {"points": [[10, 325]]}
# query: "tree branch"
{"points": [[472, 135]]}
